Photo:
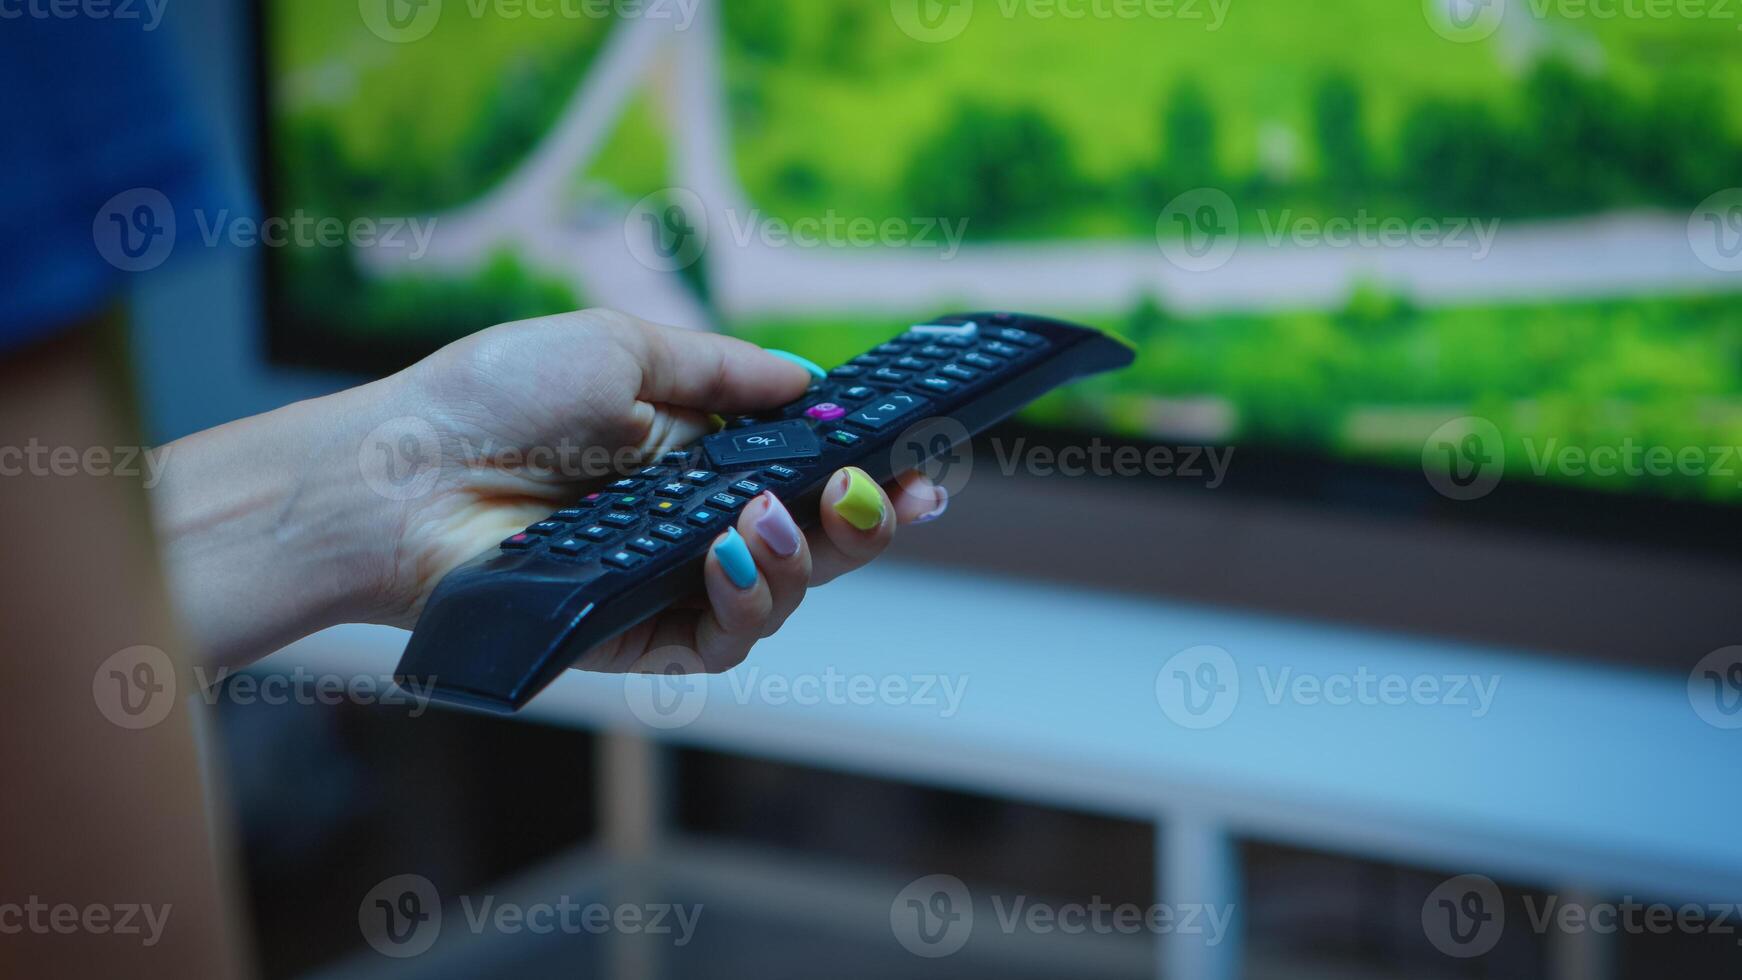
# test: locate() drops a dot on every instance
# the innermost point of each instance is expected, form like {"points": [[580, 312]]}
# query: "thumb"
{"points": [[707, 371]]}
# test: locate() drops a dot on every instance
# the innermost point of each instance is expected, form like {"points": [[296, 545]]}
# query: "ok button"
{"points": [[738, 448]]}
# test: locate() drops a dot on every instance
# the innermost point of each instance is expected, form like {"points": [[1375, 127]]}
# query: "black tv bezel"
{"points": [[1545, 510]]}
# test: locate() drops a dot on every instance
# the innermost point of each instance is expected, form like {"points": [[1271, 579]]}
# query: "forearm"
{"points": [[268, 529]]}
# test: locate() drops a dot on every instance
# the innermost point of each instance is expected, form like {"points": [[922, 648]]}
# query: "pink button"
{"points": [[825, 411]]}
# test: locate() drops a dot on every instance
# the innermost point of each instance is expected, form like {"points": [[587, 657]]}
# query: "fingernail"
{"points": [[809, 365], [716, 422], [938, 511], [861, 505], [777, 529], [735, 559]]}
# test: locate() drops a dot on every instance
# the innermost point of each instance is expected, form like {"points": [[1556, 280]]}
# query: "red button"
{"points": [[825, 411]]}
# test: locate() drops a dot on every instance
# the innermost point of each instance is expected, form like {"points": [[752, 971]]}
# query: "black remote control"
{"points": [[502, 627]]}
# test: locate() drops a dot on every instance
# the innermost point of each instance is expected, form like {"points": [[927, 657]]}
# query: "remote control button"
{"points": [[670, 532], [624, 485], [942, 386], [825, 412], [891, 376], [841, 437], [646, 546], [568, 514], [628, 502], [958, 372], [618, 519], [652, 472], [726, 501], [592, 499], [847, 371], [885, 410], [623, 559], [772, 443], [1021, 338], [933, 350], [519, 542], [891, 347], [699, 477], [982, 362], [545, 528], [676, 490], [598, 532], [941, 332], [702, 517], [781, 473], [1001, 349], [569, 546], [748, 488], [912, 364], [661, 508], [857, 393], [866, 360], [677, 457], [960, 343]]}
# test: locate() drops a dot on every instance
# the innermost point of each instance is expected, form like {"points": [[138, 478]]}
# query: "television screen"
{"points": [[1367, 230]]}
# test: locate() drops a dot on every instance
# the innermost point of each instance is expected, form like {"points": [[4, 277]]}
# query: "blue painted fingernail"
{"points": [[943, 504], [809, 365], [735, 559]]}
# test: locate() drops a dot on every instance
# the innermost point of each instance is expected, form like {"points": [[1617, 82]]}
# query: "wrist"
{"points": [[270, 529]]}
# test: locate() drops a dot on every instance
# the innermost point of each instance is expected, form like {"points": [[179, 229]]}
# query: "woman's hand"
{"points": [[366, 499]]}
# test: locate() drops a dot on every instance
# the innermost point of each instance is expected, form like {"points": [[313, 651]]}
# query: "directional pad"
{"points": [[741, 448]]}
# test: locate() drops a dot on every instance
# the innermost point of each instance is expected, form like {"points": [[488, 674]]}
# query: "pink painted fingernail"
{"points": [[938, 511], [777, 529]]}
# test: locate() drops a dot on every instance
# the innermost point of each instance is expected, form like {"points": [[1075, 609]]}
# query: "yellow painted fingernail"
{"points": [[861, 505], [716, 422]]}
